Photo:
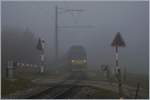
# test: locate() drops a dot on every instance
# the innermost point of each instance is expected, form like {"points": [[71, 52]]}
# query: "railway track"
{"points": [[60, 91]]}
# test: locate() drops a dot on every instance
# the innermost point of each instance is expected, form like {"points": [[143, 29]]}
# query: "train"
{"points": [[77, 58]]}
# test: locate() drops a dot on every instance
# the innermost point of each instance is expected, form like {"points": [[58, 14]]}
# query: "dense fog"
{"points": [[24, 22]]}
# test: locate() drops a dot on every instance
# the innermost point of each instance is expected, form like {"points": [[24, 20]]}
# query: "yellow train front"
{"points": [[77, 59]]}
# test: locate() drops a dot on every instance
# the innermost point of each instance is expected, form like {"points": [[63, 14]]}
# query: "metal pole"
{"points": [[42, 63], [42, 58], [118, 74], [56, 33], [117, 57]]}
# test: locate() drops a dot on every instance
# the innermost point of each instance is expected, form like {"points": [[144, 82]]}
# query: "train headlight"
{"points": [[72, 61], [84, 61]]}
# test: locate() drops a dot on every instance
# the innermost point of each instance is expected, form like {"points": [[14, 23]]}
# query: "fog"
{"points": [[106, 18]]}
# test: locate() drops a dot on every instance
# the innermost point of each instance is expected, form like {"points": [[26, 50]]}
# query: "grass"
{"points": [[22, 82], [105, 94], [8, 86], [131, 79]]}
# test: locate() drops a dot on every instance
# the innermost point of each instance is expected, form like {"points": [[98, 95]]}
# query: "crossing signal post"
{"points": [[40, 47], [118, 42]]}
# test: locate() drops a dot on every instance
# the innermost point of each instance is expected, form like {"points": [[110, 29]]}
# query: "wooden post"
{"points": [[137, 90]]}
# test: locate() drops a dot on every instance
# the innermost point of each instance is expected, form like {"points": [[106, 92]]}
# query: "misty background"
{"points": [[24, 22]]}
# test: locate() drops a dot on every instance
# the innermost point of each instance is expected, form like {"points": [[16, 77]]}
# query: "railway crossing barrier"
{"points": [[13, 68]]}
